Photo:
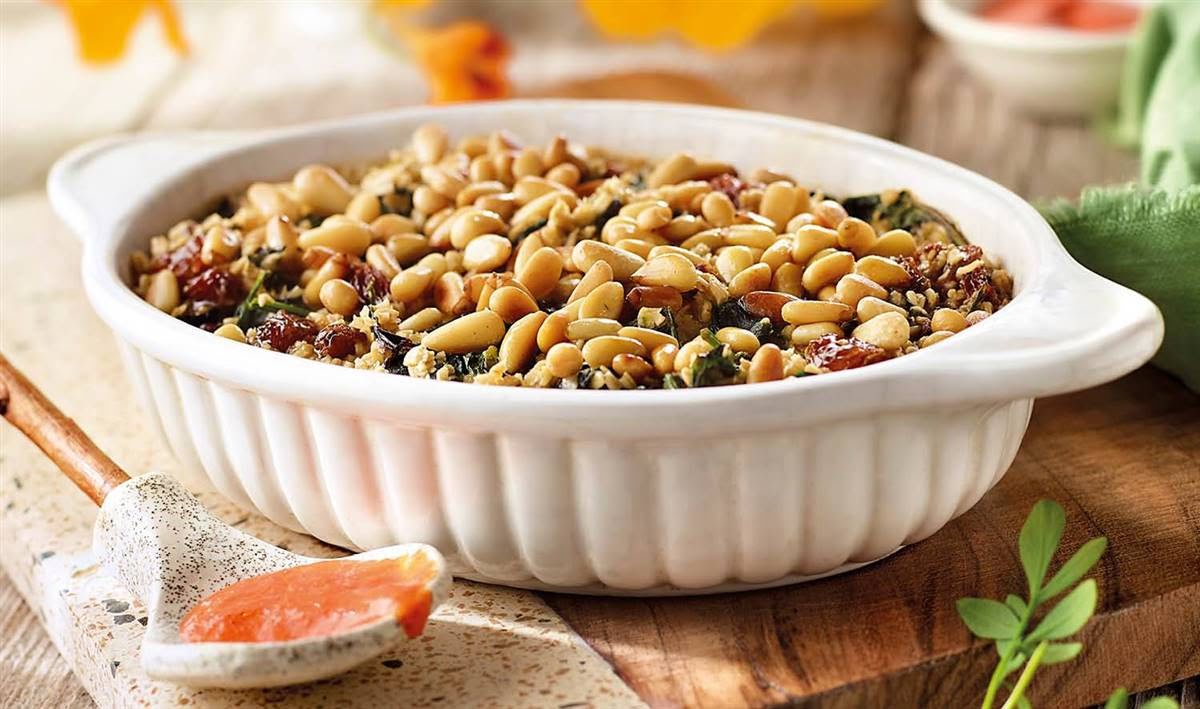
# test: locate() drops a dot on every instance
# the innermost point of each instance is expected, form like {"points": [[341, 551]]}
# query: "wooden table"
{"points": [[885, 76]]}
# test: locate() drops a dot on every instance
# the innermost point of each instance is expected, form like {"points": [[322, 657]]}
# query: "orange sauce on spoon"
{"points": [[315, 600]]}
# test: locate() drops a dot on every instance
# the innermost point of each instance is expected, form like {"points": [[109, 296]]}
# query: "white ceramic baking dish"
{"points": [[649, 492]]}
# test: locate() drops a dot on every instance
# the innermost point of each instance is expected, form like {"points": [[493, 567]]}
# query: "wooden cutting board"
{"points": [[1122, 459]]}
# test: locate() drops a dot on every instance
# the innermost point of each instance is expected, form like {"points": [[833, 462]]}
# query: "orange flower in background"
{"points": [[464, 61], [102, 27], [711, 24]]}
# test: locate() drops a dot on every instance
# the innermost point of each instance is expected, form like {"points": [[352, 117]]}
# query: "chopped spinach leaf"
{"points": [[531, 228], [583, 379], [473, 363], [250, 313], [399, 202], [612, 210], [901, 210], [714, 367], [732, 313], [673, 381], [397, 347]]}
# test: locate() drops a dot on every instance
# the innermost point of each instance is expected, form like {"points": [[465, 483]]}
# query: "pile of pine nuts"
{"points": [[563, 265]]}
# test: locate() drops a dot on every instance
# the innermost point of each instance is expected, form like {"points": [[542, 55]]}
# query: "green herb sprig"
{"points": [[1009, 622]]}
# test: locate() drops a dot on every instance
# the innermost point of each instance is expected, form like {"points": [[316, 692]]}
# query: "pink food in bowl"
{"points": [[1083, 15]]}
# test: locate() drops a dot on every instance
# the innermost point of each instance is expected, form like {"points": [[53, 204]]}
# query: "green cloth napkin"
{"points": [[1147, 237]]}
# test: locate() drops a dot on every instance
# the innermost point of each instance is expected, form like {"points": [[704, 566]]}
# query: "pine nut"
{"points": [[618, 228], [623, 263], [854, 287], [755, 278], [803, 334], [883, 271], [525, 248], [382, 260], [718, 209], [604, 301], [339, 297], [671, 270], [777, 253], [322, 189], [696, 259], [829, 213], [553, 330], [682, 227], [855, 235], [334, 267], [220, 246], [635, 246], [935, 337], [364, 207], [811, 240], [826, 270], [429, 142], [540, 273], [281, 236], [587, 328], [230, 332], [481, 169], [687, 354], [539, 209], [531, 187], [477, 189], [474, 222], [386, 225], [520, 342], [788, 278], [429, 201], [739, 339], [450, 295], [663, 358], [650, 339], [778, 203], [564, 360], [470, 333], [896, 242], [487, 253], [442, 181], [872, 306], [806, 312], [503, 204], [407, 248], [528, 163], [600, 351], [348, 236], [945, 319], [270, 201], [677, 168], [766, 365], [565, 174], [422, 320], [976, 316], [732, 260], [511, 303], [597, 274], [886, 330], [656, 217], [753, 235], [636, 367], [163, 291]]}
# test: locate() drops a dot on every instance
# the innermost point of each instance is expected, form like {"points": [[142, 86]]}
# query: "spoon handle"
{"points": [[59, 438]]}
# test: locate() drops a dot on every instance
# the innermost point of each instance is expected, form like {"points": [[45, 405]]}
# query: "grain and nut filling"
{"points": [[569, 266]]}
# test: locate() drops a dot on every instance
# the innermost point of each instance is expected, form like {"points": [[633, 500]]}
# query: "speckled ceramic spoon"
{"points": [[166, 548]]}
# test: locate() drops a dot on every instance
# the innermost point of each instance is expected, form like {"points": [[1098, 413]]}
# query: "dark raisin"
{"points": [[338, 341], [370, 284], [185, 262], [729, 184], [216, 286], [835, 354], [280, 330], [917, 280]]}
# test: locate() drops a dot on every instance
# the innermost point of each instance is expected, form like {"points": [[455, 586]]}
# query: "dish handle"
{"points": [[93, 187], [1081, 332]]}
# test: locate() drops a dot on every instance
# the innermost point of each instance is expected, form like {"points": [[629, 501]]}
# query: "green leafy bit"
{"points": [[673, 381], [732, 313], [1008, 623], [899, 209], [473, 363], [715, 366], [250, 312]]}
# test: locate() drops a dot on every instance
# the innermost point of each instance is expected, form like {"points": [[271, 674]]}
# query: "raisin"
{"points": [[654, 297], [728, 183], [976, 280], [835, 354], [185, 262], [280, 330], [370, 284], [338, 341], [917, 280], [216, 286]]}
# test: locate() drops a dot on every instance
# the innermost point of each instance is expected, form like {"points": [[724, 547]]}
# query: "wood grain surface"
{"points": [[1123, 459]]}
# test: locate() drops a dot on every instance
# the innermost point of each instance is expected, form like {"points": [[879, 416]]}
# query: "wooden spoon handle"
{"points": [[59, 438]]}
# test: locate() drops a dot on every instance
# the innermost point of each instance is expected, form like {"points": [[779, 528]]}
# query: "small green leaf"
{"points": [[987, 618], [1014, 663], [1061, 652], [1071, 613], [1039, 539], [1119, 699], [1160, 703], [1075, 568], [1017, 604]]}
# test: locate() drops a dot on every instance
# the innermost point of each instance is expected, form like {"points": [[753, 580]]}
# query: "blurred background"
{"points": [[71, 70]]}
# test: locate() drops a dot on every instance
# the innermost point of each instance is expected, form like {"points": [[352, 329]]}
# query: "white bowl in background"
{"points": [[1047, 70], [649, 492]]}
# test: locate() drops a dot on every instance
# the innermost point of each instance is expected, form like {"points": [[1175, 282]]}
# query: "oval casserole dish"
{"points": [[626, 492]]}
